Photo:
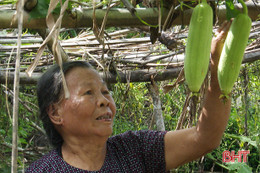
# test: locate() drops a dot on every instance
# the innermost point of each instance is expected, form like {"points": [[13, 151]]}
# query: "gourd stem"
{"points": [[245, 11]]}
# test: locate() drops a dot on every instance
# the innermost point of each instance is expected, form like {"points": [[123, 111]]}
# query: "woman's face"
{"points": [[90, 109]]}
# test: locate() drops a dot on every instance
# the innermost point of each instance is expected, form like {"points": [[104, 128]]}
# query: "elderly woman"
{"points": [[80, 127]]}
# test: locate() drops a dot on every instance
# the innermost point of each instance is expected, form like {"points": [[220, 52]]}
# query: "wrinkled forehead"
{"points": [[84, 75]]}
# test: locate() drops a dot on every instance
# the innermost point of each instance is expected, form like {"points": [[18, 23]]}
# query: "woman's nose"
{"points": [[102, 101]]}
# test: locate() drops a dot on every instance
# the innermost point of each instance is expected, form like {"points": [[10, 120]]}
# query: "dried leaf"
{"points": [[179, 79], [40, 51]]}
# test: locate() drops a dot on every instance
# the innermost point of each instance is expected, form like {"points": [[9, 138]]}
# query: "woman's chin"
{"points": [[105, 132]]}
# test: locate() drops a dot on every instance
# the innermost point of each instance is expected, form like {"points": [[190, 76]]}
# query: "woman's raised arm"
{"points": [[185, 145]]}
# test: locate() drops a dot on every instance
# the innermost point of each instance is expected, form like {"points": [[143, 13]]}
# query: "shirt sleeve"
{"points": [[149, 146], [152, 144]]}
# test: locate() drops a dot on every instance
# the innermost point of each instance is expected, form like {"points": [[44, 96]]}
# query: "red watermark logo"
{"points": [[228, 156]]}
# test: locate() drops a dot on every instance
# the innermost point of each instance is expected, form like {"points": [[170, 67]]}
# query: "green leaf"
{"points": [[242, 139], [22, 141], [40, 11], [244, 169], [210, 156], [2, 131], [23, 132], [231, 12], [239, 167]]}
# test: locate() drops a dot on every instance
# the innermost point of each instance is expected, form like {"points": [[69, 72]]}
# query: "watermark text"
{"points": [[228, 156]]}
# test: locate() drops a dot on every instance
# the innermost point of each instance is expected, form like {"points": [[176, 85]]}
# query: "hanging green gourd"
{"points": [[197, 53], [233, 51]]}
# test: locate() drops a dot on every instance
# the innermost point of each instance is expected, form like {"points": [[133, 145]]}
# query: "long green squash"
{"points": [[197, 53], [233, 51]]}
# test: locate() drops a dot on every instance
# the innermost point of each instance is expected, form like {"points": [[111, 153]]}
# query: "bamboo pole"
{"points": [[13, 41], [16, 89], [83, 18], [136, 76], [117, 17], [83, 43]]}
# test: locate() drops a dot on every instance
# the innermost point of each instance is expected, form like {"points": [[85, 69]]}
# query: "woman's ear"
{"points": [[54, 114]]}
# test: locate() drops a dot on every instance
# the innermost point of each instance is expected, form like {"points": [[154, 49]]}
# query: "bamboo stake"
{"points": [[157, 108], [245, 87], [16, 88], [6, 81]]}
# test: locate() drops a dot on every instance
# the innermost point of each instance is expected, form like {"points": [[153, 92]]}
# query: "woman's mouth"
{"points": [[106, 117]]}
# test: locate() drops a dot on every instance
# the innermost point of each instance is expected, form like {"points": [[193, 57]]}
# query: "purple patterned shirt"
{"points": [[133, 151]]}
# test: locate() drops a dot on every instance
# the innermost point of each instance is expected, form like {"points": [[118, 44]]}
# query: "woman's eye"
{"points": [[106, 92], [88, 92]]}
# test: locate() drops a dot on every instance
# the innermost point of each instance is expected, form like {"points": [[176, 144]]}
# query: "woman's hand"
{"points": [[218, 43]]}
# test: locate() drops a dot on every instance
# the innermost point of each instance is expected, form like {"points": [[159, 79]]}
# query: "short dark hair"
{"points": [[50, 91]]}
